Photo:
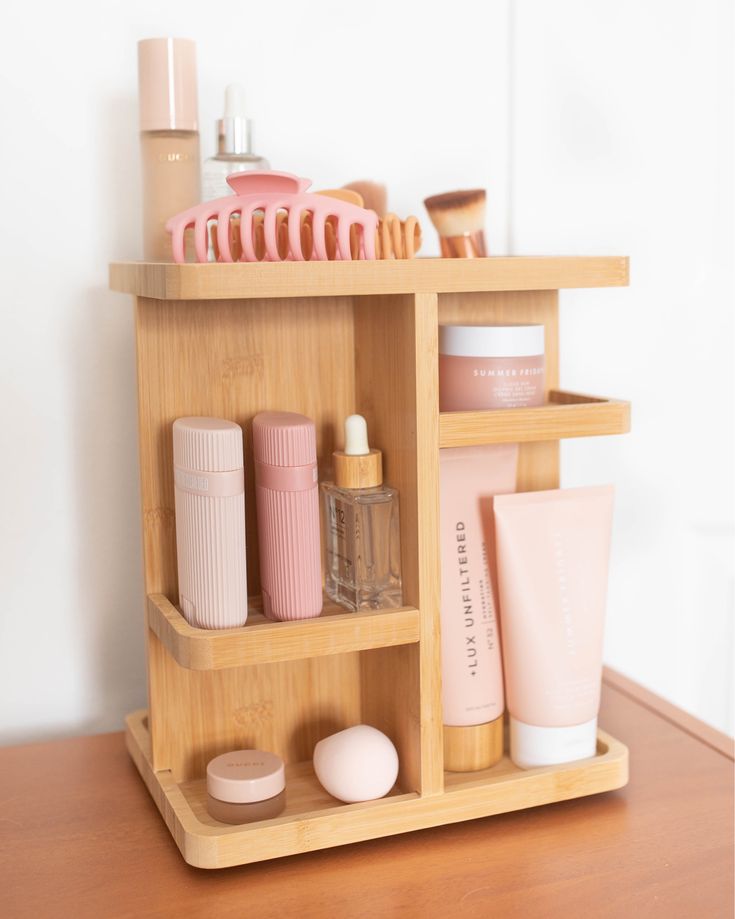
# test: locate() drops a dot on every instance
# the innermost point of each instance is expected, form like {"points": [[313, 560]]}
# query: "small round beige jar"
{"points": [[245, 785], [490, 367]]}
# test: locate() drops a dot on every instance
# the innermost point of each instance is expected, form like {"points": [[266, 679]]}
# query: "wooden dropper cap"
{"points": [[357, 466]]}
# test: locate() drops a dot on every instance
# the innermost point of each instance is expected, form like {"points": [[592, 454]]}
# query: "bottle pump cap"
{"points": [[233, 129], [357, 466]]}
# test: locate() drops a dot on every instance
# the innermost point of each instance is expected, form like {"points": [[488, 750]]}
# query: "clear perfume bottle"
{"points": [[361, 527]]}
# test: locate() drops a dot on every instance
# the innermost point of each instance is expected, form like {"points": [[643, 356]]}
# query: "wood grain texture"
{"points": [[262, 641], [396, 389], [233, 359], [205, 845], [81, 837], [428, 545], [282, 707], [311, 279], [565, 415]]}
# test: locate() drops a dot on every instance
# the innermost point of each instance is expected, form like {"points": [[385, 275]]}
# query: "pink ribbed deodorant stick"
{"points": [[287, 501], [210, 522]]}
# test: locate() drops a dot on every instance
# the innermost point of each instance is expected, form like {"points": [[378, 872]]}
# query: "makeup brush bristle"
{"points": [[455, 213], [374, 195]]}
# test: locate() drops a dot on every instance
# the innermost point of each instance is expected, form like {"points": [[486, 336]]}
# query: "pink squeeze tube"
{"points": [[472, 673], [552, 550], [287, 501]]}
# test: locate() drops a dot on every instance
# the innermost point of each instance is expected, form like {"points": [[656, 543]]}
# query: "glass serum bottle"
{"points": [[234, 154], [234, 147], [361, 527]]}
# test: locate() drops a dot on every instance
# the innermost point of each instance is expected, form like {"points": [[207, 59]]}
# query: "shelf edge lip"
{"points": [[241, 281], [512, 425], [269, 642], [205, 848]]}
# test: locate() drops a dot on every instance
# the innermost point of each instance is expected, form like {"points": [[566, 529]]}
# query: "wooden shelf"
{"points": [[233, 340], [314, 820], [262, 641], [165, 281], [566, 415], [305, 797]]}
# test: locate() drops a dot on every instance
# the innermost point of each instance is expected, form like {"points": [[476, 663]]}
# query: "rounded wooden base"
{"points": [[467, 749]]}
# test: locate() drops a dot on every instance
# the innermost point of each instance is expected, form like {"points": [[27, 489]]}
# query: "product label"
{"points": [[476, 606], [173, 156], [343, 539], [479, 383], [472, 689], [211, 484]]}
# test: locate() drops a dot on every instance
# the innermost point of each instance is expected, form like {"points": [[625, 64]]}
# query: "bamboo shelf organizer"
{"points": [[328, 339]]}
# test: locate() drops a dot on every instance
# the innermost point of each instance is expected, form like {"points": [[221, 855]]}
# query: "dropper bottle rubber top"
{"points": [[357, 466]]}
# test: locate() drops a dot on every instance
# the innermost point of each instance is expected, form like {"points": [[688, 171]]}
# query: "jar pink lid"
{"points": [[245, 776], [491, 340]]}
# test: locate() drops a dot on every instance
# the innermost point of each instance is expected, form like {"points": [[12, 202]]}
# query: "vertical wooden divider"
{"points": [[396, 388]]}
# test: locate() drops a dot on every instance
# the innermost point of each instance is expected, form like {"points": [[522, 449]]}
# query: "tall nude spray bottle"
{"points": [[209, 489], [287, 502], [169, 137]]}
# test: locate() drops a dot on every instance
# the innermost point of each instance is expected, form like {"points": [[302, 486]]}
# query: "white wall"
{"points": [[605, 131], [623, 143]]}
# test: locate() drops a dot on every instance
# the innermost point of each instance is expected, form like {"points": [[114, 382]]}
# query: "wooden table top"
{"points": [[80, 837]]}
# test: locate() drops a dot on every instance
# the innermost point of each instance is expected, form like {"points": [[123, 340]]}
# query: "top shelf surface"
{"points": [[167, 281]]}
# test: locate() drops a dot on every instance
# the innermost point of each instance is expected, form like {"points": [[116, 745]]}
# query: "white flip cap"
{"points": [[491, 340], [532, 746]]}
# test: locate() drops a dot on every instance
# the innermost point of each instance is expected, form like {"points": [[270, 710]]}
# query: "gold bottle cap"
{"points": [[357, 466]]}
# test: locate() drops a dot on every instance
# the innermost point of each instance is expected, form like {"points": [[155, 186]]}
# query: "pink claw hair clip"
{"points": [[278, 221]]}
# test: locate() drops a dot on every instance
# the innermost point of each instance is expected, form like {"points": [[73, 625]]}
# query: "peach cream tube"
{"points": [[472, 674], [552, 553]]}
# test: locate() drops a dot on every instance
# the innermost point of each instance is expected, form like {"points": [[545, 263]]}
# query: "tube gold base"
{"points": [[479, 746]]}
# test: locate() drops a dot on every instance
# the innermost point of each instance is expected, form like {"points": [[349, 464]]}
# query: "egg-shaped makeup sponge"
{"points": [[357, 764]]}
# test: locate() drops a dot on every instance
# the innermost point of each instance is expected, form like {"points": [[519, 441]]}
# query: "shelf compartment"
{"points": [[217, 281], [565, 415], [262, 641], [313, 820], [305, 797]]}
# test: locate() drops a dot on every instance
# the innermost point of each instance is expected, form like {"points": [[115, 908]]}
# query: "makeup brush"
{"points": [[374, 196], [343, 194], [459, 218]]}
